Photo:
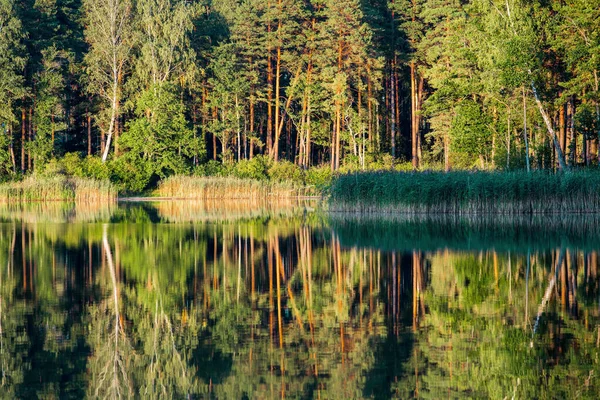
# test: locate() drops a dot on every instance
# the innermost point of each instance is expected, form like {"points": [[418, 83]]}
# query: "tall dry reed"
{"points": [[58, 188], [201, 187]]}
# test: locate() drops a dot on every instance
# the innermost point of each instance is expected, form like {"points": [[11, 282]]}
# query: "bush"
{"points": [[211, 168], [130, 177], [257, 168], [93, 167], [72, 164], [53, 167], [319, 177], [285, 171]]}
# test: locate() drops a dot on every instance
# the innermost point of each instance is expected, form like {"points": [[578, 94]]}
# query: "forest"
{"points": [[136, 91]]}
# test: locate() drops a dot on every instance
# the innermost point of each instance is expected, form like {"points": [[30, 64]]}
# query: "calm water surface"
{"points": [[230, 301]]}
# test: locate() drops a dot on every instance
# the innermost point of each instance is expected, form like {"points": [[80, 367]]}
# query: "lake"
{"points": [[260, 301]]}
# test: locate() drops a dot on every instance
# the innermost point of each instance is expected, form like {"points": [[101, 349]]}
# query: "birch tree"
{"points": [[110, 36]]}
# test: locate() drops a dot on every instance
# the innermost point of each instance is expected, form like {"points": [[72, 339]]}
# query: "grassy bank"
{"points": [[467, 192], [204, 187], [58, 188]]}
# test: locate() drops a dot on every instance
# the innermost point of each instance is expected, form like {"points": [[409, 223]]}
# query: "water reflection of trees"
{"points": [[281, 308]]}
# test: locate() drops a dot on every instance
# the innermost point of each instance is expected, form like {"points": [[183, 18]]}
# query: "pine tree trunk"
{"points": [[308, 131], [562, 126], [275, 152], [393, 110], [23, 122], [30, 139], [413, 112], [573, 134], [89, 132], [597, 87]]}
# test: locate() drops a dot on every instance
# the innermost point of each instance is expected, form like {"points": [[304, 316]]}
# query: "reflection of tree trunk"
{"points": [[23, 257], [115, 369], [113, 278], [527, 286], [278, 267], [549, 291], [270, 268], [563, 281], [416, 288], [496, 275]]}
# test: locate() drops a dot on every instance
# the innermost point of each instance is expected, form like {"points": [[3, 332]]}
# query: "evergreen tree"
{"points": [[12, 64]]}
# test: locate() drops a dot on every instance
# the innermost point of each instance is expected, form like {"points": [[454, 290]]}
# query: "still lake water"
{"points": [[236, 301]]}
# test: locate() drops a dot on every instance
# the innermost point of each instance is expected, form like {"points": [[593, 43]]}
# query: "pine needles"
{"points": [[467, 192]]}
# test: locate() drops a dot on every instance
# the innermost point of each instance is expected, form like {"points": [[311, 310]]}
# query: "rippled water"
{"points": [[194, 300]]}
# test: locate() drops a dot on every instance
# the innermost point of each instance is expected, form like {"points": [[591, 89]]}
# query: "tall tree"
{"points": [[109, 34], [12, 64]]}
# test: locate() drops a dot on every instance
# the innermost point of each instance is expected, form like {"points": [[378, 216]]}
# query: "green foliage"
{"points": [[471, 134], [12, 62], [586, 122], [211, 168], [287, 172], [5, 162], [73, 165], [131, 176], [319, 177], [158, 142], [257, 168]]}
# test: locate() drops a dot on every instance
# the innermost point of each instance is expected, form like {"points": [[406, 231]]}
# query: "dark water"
{"points": [[188, 300]]}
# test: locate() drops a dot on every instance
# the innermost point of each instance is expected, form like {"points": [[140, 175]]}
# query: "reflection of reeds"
{"points": [[58, 188], [200, 187], [228, 210], [410, 231], [467, 192], [56, 211]]}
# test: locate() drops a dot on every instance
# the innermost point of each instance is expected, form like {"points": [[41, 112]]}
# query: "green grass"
{"points": [[204, 187], [58, 188], [467, 192]]}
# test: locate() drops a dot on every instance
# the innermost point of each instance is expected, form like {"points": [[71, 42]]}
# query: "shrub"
{"points": [[257, 168], [285, 171], [72, 164], [130, 177], [93, 167], [319, 177], [211, 168]]}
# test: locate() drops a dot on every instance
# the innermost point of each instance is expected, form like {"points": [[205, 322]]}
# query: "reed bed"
{"points": [[201, 187], [504, 193], [58, 188]]}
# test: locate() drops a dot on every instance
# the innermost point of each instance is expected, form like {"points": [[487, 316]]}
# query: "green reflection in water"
{"points": [[295, 305]]}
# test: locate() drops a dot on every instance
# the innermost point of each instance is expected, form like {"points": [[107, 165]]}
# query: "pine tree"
{"points": [[12, 64], [412, 27], [345, 39], [441, 49], [577, 40]]}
